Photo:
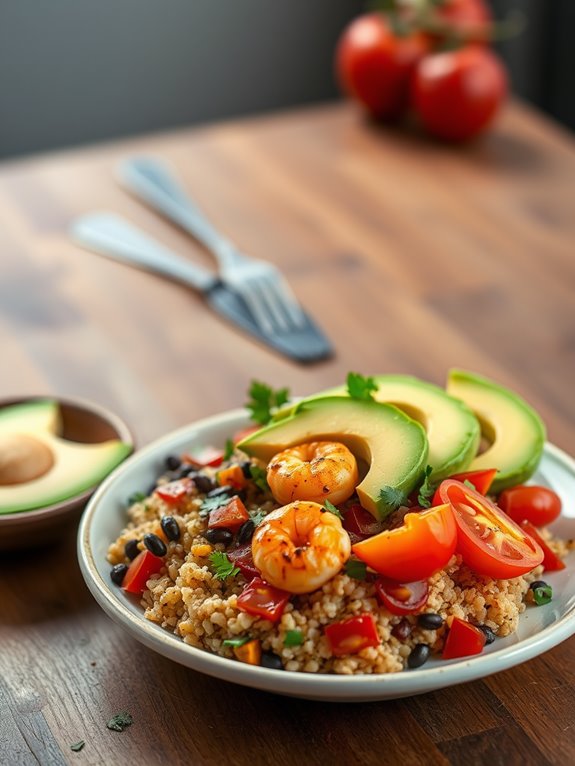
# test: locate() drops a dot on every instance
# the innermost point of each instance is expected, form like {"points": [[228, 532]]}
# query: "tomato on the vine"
{"points": [[456, 94], [539, 505], [472, 15], [374, 64]]}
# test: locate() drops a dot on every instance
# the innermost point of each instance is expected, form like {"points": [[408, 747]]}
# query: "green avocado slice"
{"points": [[75, 467], [515, 432], [392, 445]]}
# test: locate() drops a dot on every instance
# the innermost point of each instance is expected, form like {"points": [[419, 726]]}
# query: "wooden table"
{"points": [[413, 257]]}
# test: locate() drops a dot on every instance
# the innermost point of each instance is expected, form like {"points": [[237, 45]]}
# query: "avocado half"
{"points": [[71, 469], [393, 446], [514, 430], [453, 431]]}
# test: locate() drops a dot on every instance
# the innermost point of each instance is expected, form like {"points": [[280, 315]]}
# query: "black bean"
{"points": [[155, 545], [131, 549], [152, 488], [489, 634], [117, 573], [173, 462], [430, 621], [419, 656], [203, 483], [246, 469], [170, 528], [538, 584], [220, 491], [184, 470], [272, 661], [246, 531], [219, 535], [402, 630]]}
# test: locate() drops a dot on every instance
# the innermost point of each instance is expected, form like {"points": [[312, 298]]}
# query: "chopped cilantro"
{"points": [[210, 504], [240, 641], [258, 475], [136, 497], [332, 509], [229, 449], [263, 399], [77, 746], [120, 721], [356, 569], [223, 567], [360, 387], [257, 516], [391, 498], [470, 484], [427, 489], [293, 638]]}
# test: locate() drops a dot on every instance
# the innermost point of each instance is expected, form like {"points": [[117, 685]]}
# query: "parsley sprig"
{"points": [[356, 569], [222, 566], [210, 504], [361, 387], [263, 399], [333, 509], [259, 477], [390, 499], [427, 489], [229, 449]]}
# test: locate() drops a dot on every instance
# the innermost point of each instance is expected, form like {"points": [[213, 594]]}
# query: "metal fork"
{"points": [[261, 285]]}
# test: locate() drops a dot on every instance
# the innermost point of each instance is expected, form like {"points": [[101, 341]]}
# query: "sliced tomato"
{"points": [[551, 561], [205, 457], [481, 480], [140, 570], [489, 542], [174, 492], [352, 635], [463, 640], [262, 599], [401, 598], [230, 516], [414, 551], [360, 522], [243, 559], [539, 505]]}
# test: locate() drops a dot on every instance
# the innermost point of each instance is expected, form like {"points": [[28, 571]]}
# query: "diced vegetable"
{"points": [[205, 457], [262, 599], [481, 480], [352, 635], [360, 522], [231, 477], [174, 492], [551, 561], [230, 516], [250, 652], [401, 598], [243, 559], [463, 640], [140, 570]]}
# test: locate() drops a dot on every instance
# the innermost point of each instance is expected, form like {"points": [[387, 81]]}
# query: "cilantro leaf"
{"points": [[293, 638], [263, 399], [240, 641], [120, 721], [257, 516], [223, 567], [360, 387], [427, 489], [210, 504], [77, 746], [259, 477], [332, 509], [391, 499], [136, 497], [229, 449], [356, 569]]}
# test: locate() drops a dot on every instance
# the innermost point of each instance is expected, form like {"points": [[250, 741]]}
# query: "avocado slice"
{"points": [[514, 430], [453, 431], [38, 468], [393, 446]]}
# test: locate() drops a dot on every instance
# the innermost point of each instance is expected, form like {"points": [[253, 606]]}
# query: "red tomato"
{"points": [[175, 491], [481, 480], [208, 456], [262, 599], [458, 93], [230, 516], [243, 559], [360, 522], [538, 505], [374, 66], [463, 640], [401, 598], [489, 542], [465, 13], [551, 561], [352, 635], [415, 551], [140, 570]]}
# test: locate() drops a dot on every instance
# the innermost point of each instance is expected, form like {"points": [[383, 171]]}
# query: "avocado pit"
{"points": [[23, 458]]}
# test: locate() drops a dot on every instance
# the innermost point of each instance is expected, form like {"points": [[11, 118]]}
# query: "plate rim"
{"points": [[298, 683]]}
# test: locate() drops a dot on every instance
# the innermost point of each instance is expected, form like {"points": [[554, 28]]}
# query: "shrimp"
{"points": [[300, 547], [317, 471]]}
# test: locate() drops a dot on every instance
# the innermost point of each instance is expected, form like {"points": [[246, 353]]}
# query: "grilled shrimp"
{"points": [[300, 547], [317, 471]]}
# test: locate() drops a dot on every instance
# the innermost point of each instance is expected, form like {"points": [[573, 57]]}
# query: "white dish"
{"points": [[540, 628]]}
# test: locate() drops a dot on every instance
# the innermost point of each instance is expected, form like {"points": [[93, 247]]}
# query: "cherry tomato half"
{"points": [[457, 94], [230, 516], [489, 542], [481, 480], [414, 551], [463, 640], [262, 599], [374, 65], [538, 505], [140, 570], [352, 635], [551, 561], [401, 598], [174, 492]]}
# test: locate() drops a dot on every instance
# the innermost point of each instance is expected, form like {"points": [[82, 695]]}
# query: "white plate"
{"points": [[540, 628]]}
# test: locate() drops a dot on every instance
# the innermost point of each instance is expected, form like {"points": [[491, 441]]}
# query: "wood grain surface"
{"points": [[413, 257]]}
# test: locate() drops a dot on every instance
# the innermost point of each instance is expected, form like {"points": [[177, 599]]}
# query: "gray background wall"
{"points": [[75, 71]]}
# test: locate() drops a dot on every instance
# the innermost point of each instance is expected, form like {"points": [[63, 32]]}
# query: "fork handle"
{"points": [[152, 181]]}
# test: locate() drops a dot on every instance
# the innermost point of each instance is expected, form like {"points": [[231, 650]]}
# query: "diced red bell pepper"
{"points": [[262, 599], [551, 561], [206, 457], [360, 522], [463, 640], [243, 559], [481, 480], [230, 516], [175, 491], [352, 635], [140, 570]]}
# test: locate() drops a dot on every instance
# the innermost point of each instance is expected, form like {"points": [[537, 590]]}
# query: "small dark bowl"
{"points": [[83, 422]]}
